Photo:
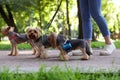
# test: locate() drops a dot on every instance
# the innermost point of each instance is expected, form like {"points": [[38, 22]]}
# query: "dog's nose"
{"points": [[31, 33]]}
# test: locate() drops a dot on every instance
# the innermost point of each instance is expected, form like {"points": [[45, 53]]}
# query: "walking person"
{"points": [[92, 9]]}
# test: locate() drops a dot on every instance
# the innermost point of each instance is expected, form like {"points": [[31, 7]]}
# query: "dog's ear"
{"points": [[27, 29], [39, 29], [8, 28], [12, 28]]}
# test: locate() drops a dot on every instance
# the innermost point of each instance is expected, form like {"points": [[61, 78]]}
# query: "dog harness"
{"points": [[43, 40], [67, 46], [19, 38]]}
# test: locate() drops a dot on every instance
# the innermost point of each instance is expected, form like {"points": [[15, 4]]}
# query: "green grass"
{"points": [[99, 44], [5, 45], [56, 73]]}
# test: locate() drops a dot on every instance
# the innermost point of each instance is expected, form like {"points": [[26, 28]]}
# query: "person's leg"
{"points": [[86, 24], [95, 10], [86, 20]]}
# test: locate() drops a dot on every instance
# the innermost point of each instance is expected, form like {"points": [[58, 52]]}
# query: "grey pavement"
{"points": [[27, 62]]}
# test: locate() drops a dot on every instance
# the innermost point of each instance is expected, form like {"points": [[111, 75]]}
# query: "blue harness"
{"points": [[67, 46]]}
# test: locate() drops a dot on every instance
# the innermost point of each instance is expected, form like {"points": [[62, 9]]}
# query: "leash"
{"points": [[51, 20]]}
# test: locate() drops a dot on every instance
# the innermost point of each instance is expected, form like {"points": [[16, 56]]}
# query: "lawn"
{"points": [[56, 73], [5, 45]]}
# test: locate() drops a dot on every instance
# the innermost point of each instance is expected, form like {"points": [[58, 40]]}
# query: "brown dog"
{"points": [[15, 39], [33, 33]]}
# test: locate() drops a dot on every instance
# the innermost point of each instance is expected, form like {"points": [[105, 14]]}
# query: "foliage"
{"points": [[57, 73], [112, 14], [39, 12]]}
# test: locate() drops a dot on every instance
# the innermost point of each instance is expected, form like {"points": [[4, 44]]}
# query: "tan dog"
{"points": [[33, 33], [57, 41], [15, 39]]}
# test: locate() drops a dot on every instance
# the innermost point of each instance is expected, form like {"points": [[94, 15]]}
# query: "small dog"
{"points": [[74, 44], [33, 34], [58, 41], [15, 39]]}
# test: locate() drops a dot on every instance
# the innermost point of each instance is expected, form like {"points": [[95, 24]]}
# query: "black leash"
{"points": [[50, 22]]}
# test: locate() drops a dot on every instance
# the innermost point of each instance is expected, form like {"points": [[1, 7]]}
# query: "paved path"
{"points": [[27, 62]]}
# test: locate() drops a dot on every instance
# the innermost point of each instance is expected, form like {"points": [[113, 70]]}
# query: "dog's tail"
{"points": [[88, 49]]}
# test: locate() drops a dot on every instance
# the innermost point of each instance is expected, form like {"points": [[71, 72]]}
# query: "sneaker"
{"points": [[70, 53], [77, 53], [108, 50]]}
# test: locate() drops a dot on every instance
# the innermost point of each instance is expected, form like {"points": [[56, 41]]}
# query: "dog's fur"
{"points": [[57, 41], [81, 45], [15, 39]]}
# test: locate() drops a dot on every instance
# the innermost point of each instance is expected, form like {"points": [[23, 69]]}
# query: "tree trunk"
{"points": [[93, 36], [40, 16], [8, 18], [80, 32], [68, 22]]}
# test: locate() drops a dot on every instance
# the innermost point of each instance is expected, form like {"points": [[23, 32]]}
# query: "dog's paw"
{"points": [[84, 57], [33, 53], [64, 58], [14, 55], [37, 56], [61, 57], [10, 54], [91, 56], [44, 56]]}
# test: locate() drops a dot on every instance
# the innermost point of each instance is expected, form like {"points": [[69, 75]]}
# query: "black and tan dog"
{"points": [[80, 44], [15, 39], [58, 41]]}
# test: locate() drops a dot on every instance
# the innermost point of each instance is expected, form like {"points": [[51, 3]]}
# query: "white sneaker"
{"points": [[108, 50], [77, 53], [70, 53]]}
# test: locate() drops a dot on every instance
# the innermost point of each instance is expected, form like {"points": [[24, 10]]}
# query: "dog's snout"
{"points": [[32, 33]]}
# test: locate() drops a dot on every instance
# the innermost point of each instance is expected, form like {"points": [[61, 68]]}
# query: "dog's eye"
{"points": [[30, 31], [35, 31]]}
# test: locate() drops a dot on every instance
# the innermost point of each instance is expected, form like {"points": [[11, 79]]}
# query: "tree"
{"points": [[80, 32], [67, 17], [7, 16]]}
